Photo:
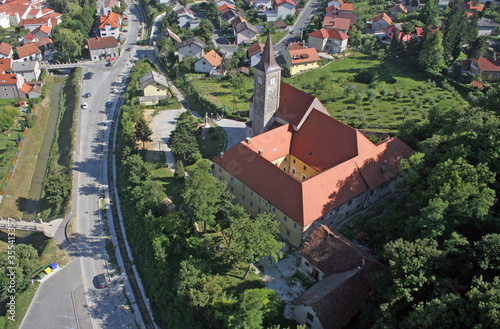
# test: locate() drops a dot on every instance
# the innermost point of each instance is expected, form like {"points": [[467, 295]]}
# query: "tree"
{"points": [[205, 195], [484, 303], [431, 55], [459, 30], [257, 308], [179, 171], [477, 48], [68, 43], [429, 14], [250, 240], [7, 117], [142, 132], [183, 143]]}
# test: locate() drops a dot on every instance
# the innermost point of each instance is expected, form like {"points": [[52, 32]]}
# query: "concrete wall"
{"points": [[155, 89]]}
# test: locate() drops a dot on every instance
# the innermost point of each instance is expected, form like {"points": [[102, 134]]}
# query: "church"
{"points": [[301, 164]]}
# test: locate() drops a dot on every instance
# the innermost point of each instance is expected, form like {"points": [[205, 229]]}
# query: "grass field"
{"points": [[20, 182], [275, 37]]}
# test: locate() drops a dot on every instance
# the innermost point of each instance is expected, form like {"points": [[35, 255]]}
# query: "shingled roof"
{"points": [[5, 48], [102, 43], [153, 77], [192, 41], [28, 50]]}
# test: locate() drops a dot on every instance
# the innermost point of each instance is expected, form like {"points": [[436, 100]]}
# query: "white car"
{"points": [[84, 105]]}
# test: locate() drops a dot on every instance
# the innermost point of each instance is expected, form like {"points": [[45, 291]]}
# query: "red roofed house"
{"points": [[487, 68], [42, 32], [470, 8], [332, 41], [5, 50], [110, 25], [301, 164], [301, 60], [100, 48], [54, 17], [255, 53], [5, 65], [32, 24], [29, 52], [344, 273], [284, 8], [10, 85], [381, 23], [337, 23], [396, 30], [398, 9], [208, 62]]}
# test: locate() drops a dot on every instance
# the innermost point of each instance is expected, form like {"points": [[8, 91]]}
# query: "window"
{"points": [[307, 264], [243, 187], [294, 225], [273, 210], [242, 197], [371, 192], [349, 203], [220, 170], [273, 81], [287, 232], [260, 199], [232, 179], [497, 75], [310, 317], [231, 189], [258, 210], [490, 75], [251, 193], [303, 176], [293, 160], [285, 168], [190, 51], [259, 80], [293, 171], [305, 168], [251, 204], [285, 218]]}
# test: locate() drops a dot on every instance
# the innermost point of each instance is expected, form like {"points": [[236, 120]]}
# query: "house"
{"points": [[243, 70], [344, 273], [471, 9], [29, 70], [255, 53], [350, 16], [300, 60], [35, 23], [29, 52], [5, 50], [245, 33], [237, 20], [29, 38], [109, 25], [225, 7], [398, 9], [208, 62], [35, 89], [486, 26], [186, 18], [337, 23], [108, 5], [230, 15], [44, 43], [54, 18], [487, 68], [263, 5], [220, 3], [101, 48], [154, 87], [10, 85], [193, 47], [332, 41], [283, 8], [380, 23], [301, 164], [396, 30], [280, 25], [43, 31], [5, 65]]}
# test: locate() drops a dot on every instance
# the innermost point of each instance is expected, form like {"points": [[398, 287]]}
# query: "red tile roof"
{"points": [[337, 23], [255, 49], [237, 21], [488, 64], [45, 28], [383, 16], [349, 164], [8, 79], [295, 46], [5, 48], [102, 43], [43, 42], [46, 11], [225, 7], [112, 19], [26, 88], [346, 6], [35, 21], [281, 2], [304, 55], [28, 50], [400, 6], [477, 84], [213, 58], [324, 34], [5, 64]]}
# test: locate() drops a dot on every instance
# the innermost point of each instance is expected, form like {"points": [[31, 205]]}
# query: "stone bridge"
{"points": [[49, 229], [63, 66]]}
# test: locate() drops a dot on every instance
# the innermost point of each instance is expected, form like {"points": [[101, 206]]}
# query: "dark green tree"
{"points": [[142, 132], [183, 143]]}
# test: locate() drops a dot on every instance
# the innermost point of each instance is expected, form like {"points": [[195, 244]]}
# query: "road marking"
{"points": [[65, 316]]}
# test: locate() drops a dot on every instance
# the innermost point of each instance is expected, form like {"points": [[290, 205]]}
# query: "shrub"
{"points": [[179, 171], [7, 117], [422, 88], [383, 92], [364, 76]]}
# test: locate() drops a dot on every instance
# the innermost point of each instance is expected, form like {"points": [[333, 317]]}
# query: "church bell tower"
{"points": [[266, 85]]}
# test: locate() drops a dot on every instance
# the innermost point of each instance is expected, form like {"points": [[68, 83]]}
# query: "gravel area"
{"points": [[235, 131], [162, 124]]}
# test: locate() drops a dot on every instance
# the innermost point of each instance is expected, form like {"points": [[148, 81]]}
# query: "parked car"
{"points": [[128, 49], [109, 104], [87, 95], [88, 75], [101, 281], [84, 105], [108, 64]]}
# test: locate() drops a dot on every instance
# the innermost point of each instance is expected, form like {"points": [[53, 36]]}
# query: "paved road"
{"points": [[235, 131], [71, 298]]}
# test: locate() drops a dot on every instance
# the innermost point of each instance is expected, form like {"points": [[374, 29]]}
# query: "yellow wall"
{"points": [[252, 202], [155, 89], [292, 162], [485, 76], [296, 68]]}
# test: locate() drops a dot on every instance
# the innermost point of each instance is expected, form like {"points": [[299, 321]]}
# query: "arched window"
{"points": [[303, 176]]}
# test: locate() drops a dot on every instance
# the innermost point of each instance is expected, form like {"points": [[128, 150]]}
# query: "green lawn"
{"points": [[172, 187], [9, 141], [275, 37]]}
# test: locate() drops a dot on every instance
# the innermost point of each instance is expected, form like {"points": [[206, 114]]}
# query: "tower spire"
{"points": [[268, 61]]}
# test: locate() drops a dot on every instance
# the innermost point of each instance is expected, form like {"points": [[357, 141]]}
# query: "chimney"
{"points": [[221, 155], [261, 151], [248, 139]]}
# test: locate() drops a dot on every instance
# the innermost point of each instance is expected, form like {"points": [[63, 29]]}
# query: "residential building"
{"points": [[280, 25], [6, 50], [35, 88], [54, 18], [29, 70], [225, 7], [154, 87], [487, 68], [230, 15], [10, 85], [398, 9], [220, 3], [101, 48], [301, 164], [336, 23], [255, 53], [29, 52], [470, 8], [283, 8], [44, 43], [245, 33], [300, 60], [193, 47], [344, 272], [486, 26], [109, 25], [186, 18], [208, 62], [35, 23], [107, 6], [332, 41], [380, 23], [43, 31], [5, 65]]}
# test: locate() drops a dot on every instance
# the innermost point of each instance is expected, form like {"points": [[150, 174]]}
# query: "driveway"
{"points": [[235, 131]]}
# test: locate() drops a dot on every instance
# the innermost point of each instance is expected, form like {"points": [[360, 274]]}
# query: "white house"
{"points": [[29, 70], [107, 6], [332, 41], [208, 62], [5, 50], [245, 33], [193, 47], [255, 53], [284, 8], [110, 25], [186, 18]]}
